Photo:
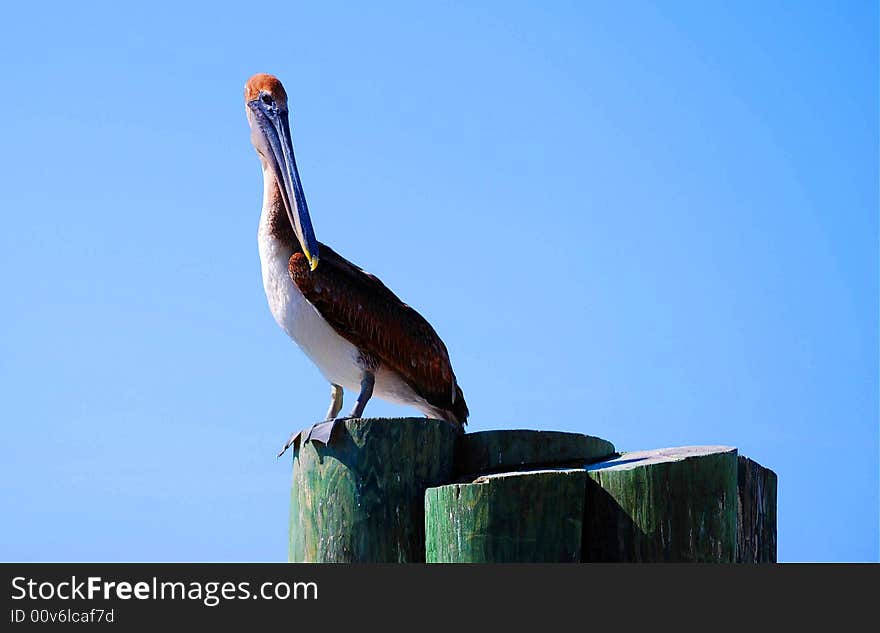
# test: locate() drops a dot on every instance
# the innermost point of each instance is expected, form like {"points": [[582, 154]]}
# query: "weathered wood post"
{"points": [[360, 496], [530, 511], [756, 513], [507, 518], [665, 505], [687, 504], [413, 490]]}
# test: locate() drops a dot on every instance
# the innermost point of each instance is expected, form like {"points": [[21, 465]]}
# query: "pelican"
{"points": [[358, 333]]}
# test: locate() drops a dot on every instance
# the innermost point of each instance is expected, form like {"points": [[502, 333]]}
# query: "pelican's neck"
{"points": [[273, 217]]}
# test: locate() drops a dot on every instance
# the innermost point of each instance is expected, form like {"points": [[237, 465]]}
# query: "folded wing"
{"points": [[361, 309]]}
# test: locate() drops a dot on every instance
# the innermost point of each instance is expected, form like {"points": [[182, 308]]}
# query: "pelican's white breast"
{"points": [[335, 357]]}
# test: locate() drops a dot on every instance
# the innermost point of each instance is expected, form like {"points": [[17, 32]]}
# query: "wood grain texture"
{"points": [[360, 498], [531, 517], [667, 505], [756, 513], [496, 451]]}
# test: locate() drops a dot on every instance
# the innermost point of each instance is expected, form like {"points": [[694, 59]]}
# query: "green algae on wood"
{"points": [[531, 517], [665, 505], [360, 498], [756, 513], [497, 451]]}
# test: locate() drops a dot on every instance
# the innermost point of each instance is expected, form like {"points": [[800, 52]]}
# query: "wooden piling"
{"points": [[414, 490], [756, 513], [516, 517], [360, 496], [519, 498], [665, 505]]}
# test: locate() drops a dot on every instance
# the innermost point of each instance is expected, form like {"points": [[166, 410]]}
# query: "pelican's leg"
{"points": [[367, 382], [321, 432], [335, 401]]}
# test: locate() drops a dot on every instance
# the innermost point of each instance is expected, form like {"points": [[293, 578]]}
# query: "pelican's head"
{"points": [[266, 107]]}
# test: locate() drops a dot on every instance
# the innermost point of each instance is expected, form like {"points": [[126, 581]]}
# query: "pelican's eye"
{"points": [[266, 98]]}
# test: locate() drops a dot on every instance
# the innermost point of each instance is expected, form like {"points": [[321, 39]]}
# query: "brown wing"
{"points": [[361, 309]]}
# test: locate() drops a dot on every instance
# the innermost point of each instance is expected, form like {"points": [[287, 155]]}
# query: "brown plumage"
{"points": [[361, 309]]}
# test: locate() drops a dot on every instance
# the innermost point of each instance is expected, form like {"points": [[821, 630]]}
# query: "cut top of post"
{"points": [[636, 459], [499, 451]]}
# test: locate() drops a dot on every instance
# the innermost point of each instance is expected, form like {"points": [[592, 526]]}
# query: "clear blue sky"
{"points": [[654, 224]]}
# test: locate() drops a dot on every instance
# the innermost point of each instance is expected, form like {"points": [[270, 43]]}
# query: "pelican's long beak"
{"points": [[273, 125]]}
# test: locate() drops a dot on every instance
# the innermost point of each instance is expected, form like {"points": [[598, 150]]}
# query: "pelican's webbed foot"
{"points": [[293, 439], [322, 431]]}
